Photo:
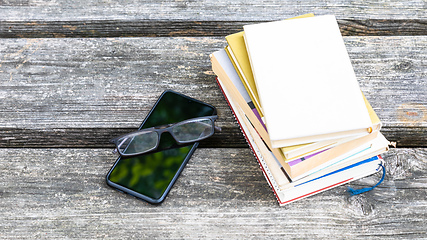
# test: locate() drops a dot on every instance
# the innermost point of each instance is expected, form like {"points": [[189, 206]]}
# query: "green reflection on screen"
{"points": [[150, 174]]}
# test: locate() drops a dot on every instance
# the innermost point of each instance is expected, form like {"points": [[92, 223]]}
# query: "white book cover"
{"points": [[305, 81]]}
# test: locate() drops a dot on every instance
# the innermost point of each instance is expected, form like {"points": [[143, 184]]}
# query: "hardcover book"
{"points": [[223, 68], [305, 81], [298, 171]]}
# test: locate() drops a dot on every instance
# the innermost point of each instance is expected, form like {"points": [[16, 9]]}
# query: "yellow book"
{"points": [[240, 60], [237, 52], [376, 122]]}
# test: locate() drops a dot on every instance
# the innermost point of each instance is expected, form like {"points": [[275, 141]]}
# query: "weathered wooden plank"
{"points": [[164, 28], [61, 193], [230, 136], [82, 92], [209, 10]]}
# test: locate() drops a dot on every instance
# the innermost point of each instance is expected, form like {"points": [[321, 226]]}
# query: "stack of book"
{"points": [[293, 91]]}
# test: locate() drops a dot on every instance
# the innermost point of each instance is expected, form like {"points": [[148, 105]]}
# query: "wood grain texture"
{"points": [[82, 92], [74, 74], [183, 28], [207, 10], [58, 19], [61, 193]]}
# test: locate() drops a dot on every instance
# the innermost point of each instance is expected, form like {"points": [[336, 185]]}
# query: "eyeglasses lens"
{"points": [[194, 130], [143, 142]]}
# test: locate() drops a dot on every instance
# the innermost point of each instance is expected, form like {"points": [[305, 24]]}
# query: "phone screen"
{"points": [[150, 176]]}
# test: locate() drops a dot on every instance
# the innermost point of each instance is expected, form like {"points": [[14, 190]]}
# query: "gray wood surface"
{"points": [[208, 10], [61, 193], [184, 28], [59, 18], [74, 74], [77, 92]]}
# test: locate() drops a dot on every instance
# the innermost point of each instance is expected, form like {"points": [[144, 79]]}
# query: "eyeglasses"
{"points": [[147, 140]]}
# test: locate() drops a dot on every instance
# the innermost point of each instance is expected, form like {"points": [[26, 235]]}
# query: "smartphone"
{"points": [[151, 176]]}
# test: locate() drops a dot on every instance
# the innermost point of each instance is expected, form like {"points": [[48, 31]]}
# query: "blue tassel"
{"points": [[359, 191]]}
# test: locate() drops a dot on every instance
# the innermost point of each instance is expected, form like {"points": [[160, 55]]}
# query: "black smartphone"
{"points": [[150, 176]]}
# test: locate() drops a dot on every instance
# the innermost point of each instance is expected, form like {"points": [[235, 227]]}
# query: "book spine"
{"points": [[254, 152]]}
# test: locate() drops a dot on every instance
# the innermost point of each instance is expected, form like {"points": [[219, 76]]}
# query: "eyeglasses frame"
{"points": [[161, 129]]}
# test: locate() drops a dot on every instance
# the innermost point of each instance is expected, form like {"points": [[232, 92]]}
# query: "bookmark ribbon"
{"points": [[359, 191]]}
